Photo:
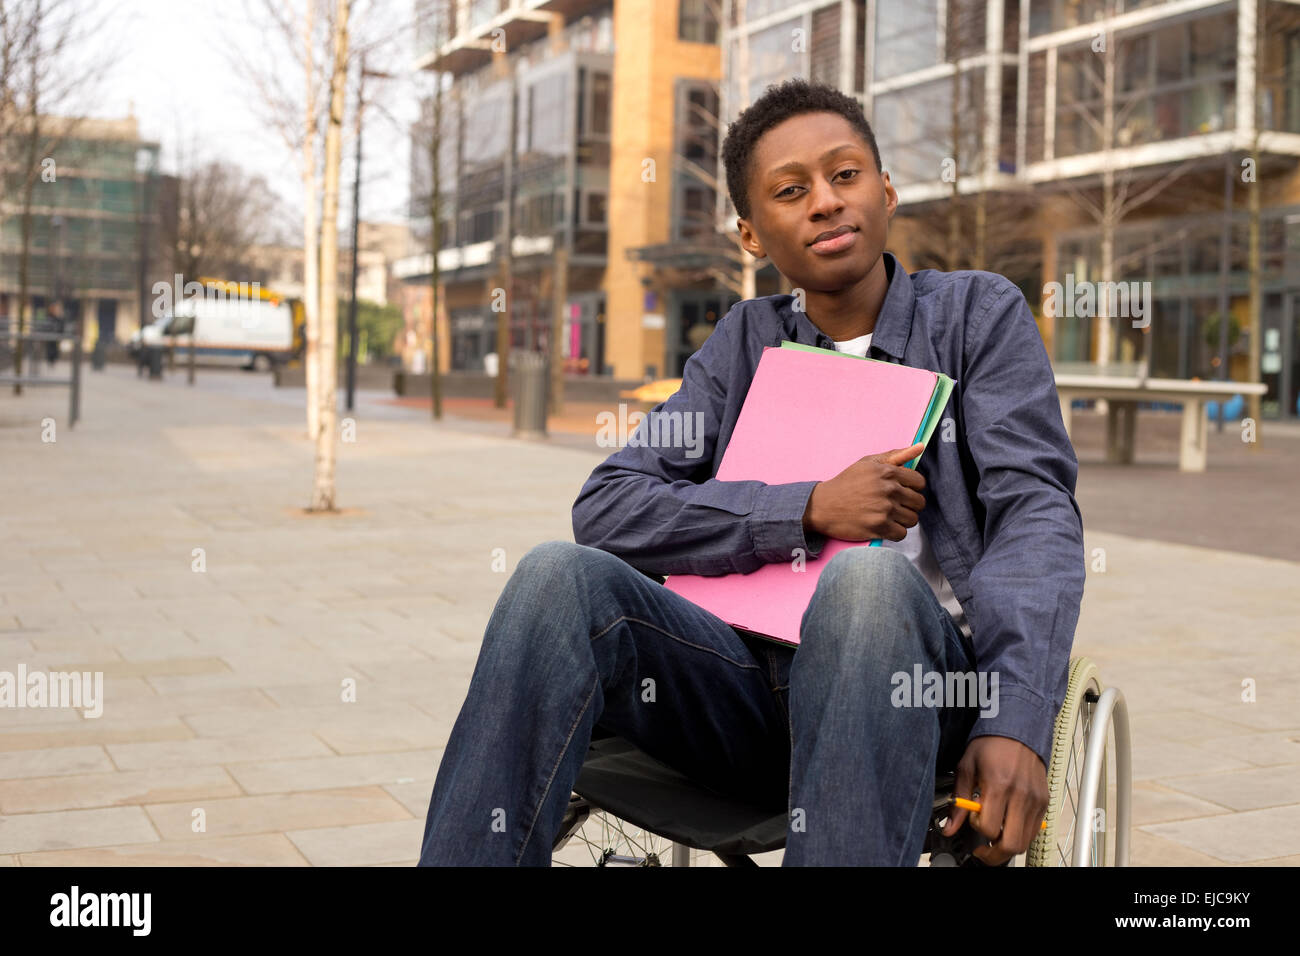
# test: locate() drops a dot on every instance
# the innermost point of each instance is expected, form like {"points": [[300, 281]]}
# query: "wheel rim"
{"points": [[606, 840], [1055, 845]]}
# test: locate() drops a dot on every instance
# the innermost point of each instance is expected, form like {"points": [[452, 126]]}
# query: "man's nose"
{"points": [[825, 200]]}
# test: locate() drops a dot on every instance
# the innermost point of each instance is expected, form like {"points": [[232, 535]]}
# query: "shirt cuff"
{"points": [[1021, 715], [776, 523]]}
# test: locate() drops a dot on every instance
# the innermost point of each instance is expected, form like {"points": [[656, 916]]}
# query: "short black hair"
{"points": [[777, 104]]}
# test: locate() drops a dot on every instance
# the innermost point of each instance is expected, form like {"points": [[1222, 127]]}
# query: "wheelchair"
{"points": [[628, 809]]}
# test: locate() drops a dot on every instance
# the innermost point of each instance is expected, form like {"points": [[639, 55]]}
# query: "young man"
{"points": [[982, 566]]}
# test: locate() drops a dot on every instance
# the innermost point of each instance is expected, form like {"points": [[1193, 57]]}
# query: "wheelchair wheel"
{"points": [[592, 837], [1076, 723]]}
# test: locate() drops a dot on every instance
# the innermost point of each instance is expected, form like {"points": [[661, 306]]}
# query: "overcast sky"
{"points": [[173, 67]]}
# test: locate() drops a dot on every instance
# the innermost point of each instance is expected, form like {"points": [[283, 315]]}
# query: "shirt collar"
{"points": [[893, 325]]}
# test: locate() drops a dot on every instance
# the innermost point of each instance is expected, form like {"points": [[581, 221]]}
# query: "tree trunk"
{"points": [[322, 497], [435, 236], [310, 253], [29, 184]]}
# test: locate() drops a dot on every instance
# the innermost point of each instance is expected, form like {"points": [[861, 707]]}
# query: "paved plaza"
{"points": [[162, 542]]}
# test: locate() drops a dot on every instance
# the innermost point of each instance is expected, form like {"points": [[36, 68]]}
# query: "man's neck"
{"points": [[852, 312]]}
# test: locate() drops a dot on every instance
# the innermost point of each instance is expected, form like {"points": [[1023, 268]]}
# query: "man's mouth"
{"points": [[834, 240]]}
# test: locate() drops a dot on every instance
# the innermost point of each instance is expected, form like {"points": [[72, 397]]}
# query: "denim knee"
{"points": [[555, 582], [562, 568], [871, 603]]}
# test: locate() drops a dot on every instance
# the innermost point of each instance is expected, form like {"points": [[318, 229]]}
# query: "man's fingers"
{"points": [[903, 516], [956, 817], [988, 821], [961, 787], [909, 499], [900, 456], [1015, 833]]}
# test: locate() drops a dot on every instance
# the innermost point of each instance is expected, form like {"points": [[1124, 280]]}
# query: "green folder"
{"points": [[938, 401]]}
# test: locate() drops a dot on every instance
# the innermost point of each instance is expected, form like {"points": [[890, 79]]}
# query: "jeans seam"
{"points": [[919, 797], [555, 769], [699, 647]]}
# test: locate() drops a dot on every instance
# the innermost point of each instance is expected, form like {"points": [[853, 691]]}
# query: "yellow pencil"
{"points": [[975, 806]]}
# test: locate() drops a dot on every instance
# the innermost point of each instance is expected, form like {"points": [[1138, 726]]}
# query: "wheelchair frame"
{"points": [[1078, 763]]}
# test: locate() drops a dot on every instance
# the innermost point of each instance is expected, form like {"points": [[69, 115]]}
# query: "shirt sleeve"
{"points": [[654, 504], [1027, 586]]}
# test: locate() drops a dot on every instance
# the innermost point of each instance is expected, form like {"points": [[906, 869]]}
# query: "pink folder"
{"points": [[807, 417]]}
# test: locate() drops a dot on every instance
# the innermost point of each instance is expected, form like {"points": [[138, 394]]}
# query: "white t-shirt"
{"points": [[915, 545]]}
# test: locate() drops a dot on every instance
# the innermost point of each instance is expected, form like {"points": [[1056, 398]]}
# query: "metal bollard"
{"points": [[530, 380]]}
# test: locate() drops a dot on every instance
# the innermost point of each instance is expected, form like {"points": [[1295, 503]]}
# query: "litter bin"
{"points": [[528, 372]]}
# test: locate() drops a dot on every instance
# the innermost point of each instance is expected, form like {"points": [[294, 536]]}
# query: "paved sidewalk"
{"points": [[224, 689]]}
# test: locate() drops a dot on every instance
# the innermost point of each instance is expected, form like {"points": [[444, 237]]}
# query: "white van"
{"points": [[250, 333]]}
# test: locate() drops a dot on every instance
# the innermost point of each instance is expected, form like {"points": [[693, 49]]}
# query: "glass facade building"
{"points": [[101, 220], [1012, 129], [524, 161]]}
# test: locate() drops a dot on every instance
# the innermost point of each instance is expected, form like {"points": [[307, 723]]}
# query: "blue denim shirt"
{"points": [[1000, 475]]}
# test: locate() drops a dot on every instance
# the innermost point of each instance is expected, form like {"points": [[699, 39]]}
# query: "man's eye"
{"points": [[848, 173], [786, 192]]}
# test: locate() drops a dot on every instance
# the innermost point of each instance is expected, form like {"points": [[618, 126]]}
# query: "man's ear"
{"points": [[891, 194], [749, 240]]}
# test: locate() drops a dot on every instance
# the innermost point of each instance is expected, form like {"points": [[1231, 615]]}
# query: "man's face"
{"points": [[818, 208]]}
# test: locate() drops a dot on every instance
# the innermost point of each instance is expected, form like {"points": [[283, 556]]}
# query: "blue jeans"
{"points": [[578, 637]]}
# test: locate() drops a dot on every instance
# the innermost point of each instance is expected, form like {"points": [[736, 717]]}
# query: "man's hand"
{"points": [[1011, 782], [875, 497]]}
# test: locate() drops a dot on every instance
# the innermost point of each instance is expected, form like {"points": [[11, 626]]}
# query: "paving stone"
{"points": [[363, 845], [120, 788], [1243, 789], [215, 750], [65, 829], [1235, 838], [21, 764], [266, 849], [272, 813], [320, 773]]}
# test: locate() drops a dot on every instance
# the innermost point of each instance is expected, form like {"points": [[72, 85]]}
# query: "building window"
{"points": [[596, 208], [697, 21], [772, 58], [915, 128], [1291, 92], [546, 114], [697, 142], [600, 103], [1171, 82], [481, 11], [909, 37], [1049, 16]]}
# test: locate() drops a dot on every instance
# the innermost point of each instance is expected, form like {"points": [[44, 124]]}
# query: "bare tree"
{"points": [[315, 34], [302, 31], [322, 498], [430, 135], [1122, 190], [223, 212], [311, 294], [436, 140], [44, 69]]}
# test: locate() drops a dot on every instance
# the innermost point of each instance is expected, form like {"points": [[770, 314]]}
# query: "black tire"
{"points": [[262, 362]]}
